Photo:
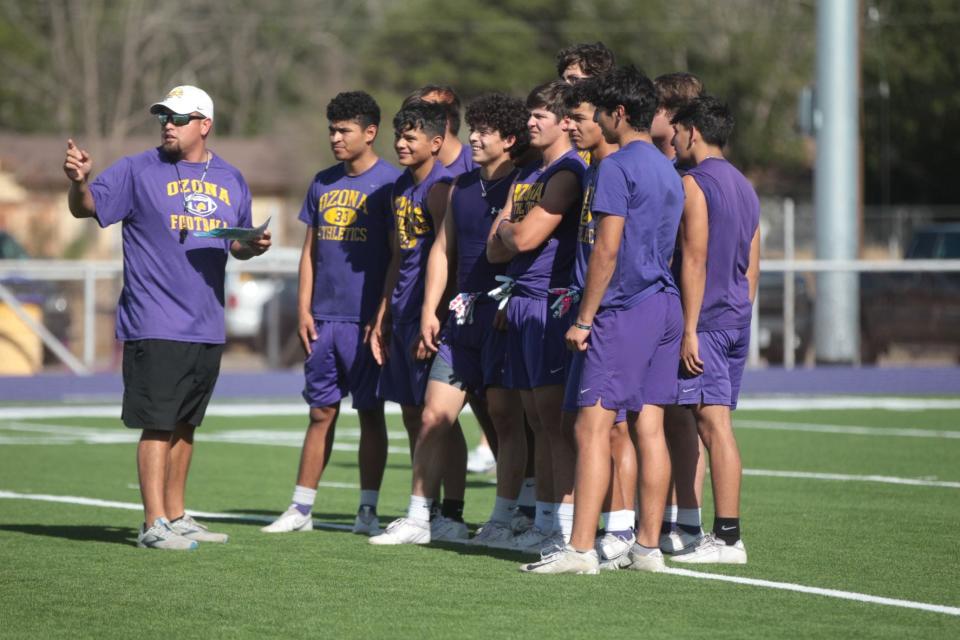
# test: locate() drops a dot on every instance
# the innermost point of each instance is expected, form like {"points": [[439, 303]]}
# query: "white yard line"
{"points": [[844, 429], [843, 477], [785, 586]]}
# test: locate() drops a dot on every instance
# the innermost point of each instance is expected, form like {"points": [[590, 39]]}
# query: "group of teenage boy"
{"points": [[582, 274]]}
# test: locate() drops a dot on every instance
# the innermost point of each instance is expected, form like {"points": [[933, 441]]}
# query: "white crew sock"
{"points": [[689, 517], [670, 514], [419, 509], [565, 519], [621, 520], [503, 510], [370, 498], [556, 517], [304, 496], [544, 519], [528, 493]]}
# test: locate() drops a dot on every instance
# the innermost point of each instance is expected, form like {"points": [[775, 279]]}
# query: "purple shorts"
{"points": [[630, 349], [339, 363], [403, 378], [724, 355], [471, 356], [536, 352]]}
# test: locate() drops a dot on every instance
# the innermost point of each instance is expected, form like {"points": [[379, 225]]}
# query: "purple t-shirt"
{"points": [[172, 280], [549, 265], [415, 233], [733, 214], [475, 205], [640, 184], [463, 162], [587, 230], [353, 218]]}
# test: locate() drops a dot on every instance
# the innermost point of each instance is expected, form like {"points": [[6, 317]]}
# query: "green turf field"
{"points": [[69, 569]]}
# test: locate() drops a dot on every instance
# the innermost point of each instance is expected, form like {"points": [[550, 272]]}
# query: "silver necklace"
{"points": [[203, 177], [484, 187]]}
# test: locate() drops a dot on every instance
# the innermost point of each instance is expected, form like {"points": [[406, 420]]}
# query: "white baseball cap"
{"points": [[186, 99]]}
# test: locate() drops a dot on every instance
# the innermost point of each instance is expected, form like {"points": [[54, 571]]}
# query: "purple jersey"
{"points": [[587, 231], [352, 218], [463, 163], [475, 204], [548, 265], [415, 232], [640, 184], [733, 214], [172, 280]]}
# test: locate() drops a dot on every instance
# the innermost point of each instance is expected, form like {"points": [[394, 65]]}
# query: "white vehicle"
{"points": [[246, 292]]}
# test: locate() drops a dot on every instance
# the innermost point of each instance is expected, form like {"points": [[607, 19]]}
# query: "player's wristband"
{"points": [[583, 327]]}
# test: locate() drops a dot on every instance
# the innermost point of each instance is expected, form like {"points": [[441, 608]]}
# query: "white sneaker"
{"points": [[161, 536], [404, 531], [290, 520], [713, 550], [481, 460], [193, 530], [612, 551], [679, 541], [521, 522], [367, 522], [529, 541], [448, 530], [639, 560], [553, 543], [566, 560], [494, 535]]}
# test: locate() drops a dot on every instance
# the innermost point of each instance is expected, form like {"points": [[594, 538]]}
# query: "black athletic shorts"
{"points": [[166, 382]]}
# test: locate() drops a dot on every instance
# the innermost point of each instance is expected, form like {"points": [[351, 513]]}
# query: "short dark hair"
{"points": [[420, 114], [502, 113], [628, 86], [548, 96], [710, 116], [595, 59], [580, 92], [446, 97], [354, 105], [676, 90]]}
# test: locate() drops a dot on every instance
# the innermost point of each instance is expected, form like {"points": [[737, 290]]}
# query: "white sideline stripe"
{"points": [[830, 593], [843, 477], [133, 506], [779, 403], [844, 429], [785, 586], [66, 435]]}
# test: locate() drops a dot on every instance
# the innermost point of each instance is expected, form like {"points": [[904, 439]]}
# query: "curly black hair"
{"points": [[631, 88], [431, 117], [502, 113], [710, 116], [354, 105], [595, 59]]}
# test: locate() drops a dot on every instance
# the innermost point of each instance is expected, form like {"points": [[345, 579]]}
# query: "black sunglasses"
{"points": [[178, 119]]}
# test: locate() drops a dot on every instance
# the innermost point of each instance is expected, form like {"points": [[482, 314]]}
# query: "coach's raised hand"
{"points": [[77, 165]]}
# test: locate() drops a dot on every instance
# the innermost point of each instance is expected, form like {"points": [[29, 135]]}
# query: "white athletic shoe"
{"points": [[481, 460], [520, 522], [553, 543], [494, 535], [638, 560], [565, 560], [530, 541], [612, 551], [193, 530], [404, 531], [290, 520], [448, 530], [713, 550], [679, 541], [161, 536], [366, 521]]}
